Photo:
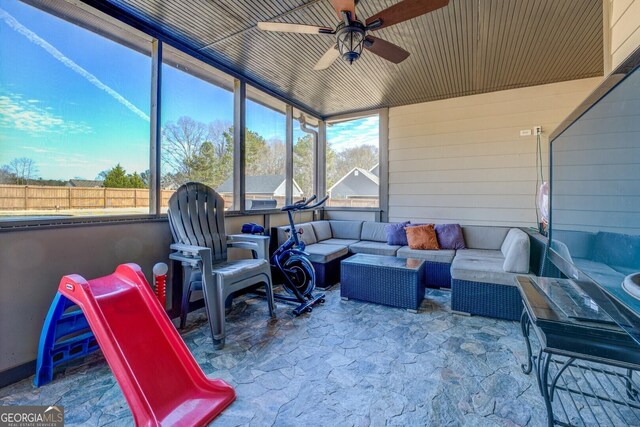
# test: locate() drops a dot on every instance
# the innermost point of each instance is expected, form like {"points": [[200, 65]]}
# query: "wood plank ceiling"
{"points": [[468, 47]]}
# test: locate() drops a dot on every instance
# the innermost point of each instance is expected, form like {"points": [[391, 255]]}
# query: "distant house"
{"points": [[84, 183], [262, 187], [375, 170], [358, 183]]}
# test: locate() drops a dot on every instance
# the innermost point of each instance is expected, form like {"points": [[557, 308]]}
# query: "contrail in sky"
{"points": [[35, 39]]}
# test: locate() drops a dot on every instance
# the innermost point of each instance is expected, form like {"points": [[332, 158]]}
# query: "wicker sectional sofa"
{"points": [[481, 276]]}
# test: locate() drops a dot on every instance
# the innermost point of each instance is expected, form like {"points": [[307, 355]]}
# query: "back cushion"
{"points": [[282, 236], [516, 248], [322, 230], [308, 236], [508, 241], [483, 237], [345, 229], [374, 231]]}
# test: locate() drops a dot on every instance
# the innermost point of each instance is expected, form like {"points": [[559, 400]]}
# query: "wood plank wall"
{"points": [[462, 159], [625, 29]]}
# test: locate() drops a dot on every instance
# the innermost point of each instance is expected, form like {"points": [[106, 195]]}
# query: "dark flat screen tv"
{"points": [[595, 196]]}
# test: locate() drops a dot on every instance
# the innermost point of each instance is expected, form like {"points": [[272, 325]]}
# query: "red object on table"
{"points": [[160, 379]]}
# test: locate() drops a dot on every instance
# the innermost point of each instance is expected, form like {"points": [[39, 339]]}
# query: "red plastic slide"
{"points": [[158, 376]]}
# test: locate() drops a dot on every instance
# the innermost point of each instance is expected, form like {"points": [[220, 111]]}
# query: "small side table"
{"points": [[587, 367]]}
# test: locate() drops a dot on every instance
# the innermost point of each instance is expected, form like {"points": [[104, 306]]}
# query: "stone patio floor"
{"points": [[347, 363]]}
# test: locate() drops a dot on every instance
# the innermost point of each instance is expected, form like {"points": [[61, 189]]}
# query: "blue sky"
{"points": [[78, 103]]}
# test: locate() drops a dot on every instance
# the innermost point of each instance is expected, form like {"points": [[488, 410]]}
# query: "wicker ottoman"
{"points": [[398, 282]]}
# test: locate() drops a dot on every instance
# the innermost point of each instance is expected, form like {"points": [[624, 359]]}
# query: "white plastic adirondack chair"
{"points": [[196, 218]]}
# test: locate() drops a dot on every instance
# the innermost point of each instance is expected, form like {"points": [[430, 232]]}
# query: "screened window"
{"points": [[74, 119], [197, 126], [353, 162], [265, 151]]}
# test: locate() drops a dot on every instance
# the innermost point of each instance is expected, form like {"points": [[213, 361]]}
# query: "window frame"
{"points": [[383, 158], [128, 31]]}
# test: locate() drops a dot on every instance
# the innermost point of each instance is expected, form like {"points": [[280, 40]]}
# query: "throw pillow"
{"points": [[450, 236], [422, 237], [396, 235]]}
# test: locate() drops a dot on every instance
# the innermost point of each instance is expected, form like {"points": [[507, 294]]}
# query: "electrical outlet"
{"points": [[537, 130], [525, 132]]}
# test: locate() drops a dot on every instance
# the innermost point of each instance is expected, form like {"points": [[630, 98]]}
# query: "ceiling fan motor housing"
{"points": [[350, 39]]}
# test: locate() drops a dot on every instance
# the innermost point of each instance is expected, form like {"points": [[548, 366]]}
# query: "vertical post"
{"points": [[239, 125], [321, 160], [288, 199], [155, 180], [26, 189], [104, 197], [69, 196], [383, 155]]}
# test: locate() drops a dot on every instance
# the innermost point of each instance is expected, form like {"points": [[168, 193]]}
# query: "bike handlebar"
{"points": [[302, 205]]}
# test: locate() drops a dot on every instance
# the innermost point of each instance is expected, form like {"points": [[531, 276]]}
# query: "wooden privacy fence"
{"points": [[35, 197], [354, 203]]}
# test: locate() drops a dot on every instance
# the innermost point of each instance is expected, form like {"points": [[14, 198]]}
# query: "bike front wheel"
{"points": [[301, 275]]}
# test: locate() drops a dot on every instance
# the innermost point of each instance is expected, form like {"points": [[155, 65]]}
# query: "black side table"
{"points": [[587, 366]]}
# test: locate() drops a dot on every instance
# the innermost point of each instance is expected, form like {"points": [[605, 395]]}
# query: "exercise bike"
{"points": [[293, 263]]}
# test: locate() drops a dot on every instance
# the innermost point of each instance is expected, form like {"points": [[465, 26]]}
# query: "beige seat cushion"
{"points": [[442, 255]]}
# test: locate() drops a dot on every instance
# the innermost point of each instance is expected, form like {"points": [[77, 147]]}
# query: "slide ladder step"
{"points": [[65, 336]]}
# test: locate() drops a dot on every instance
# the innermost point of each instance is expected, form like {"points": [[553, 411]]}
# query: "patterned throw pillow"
{"points": [[396, 235], [422, 237], [450, 236]]}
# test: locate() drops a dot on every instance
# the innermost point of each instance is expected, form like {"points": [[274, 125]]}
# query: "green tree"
{"points": [[256, 151], [303, 164], [136, 181], [117, 177], [193, 151]]}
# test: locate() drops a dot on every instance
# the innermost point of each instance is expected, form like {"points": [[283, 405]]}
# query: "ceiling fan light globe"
{"points": [[350, 40]]}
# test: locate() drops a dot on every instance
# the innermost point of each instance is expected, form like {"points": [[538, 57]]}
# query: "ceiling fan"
{"points": [[351, 32]]}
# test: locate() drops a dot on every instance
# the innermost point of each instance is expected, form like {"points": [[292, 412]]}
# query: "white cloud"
{"points": [[29, 117], [351, 134], [36, 149], [67, 62]]}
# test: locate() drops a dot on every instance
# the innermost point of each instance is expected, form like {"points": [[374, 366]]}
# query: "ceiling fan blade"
{"points": [[405, 10], [294, 28], [328, 58], [344, 6], [385, 49]]}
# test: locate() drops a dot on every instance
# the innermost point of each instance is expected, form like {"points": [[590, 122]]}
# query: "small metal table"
{"points": [[398, 282], [586, 367]]}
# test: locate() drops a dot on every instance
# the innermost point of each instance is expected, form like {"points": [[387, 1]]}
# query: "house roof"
{"points": [[355, 187], [468, 47], [84, 183], [261, 184]]}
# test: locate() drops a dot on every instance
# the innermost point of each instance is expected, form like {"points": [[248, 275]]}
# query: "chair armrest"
{"points": [[253, 247], [261, 244], [191, 255]]}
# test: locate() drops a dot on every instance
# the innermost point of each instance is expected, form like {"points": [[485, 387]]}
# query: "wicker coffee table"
{"points": [[398, 282]]}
